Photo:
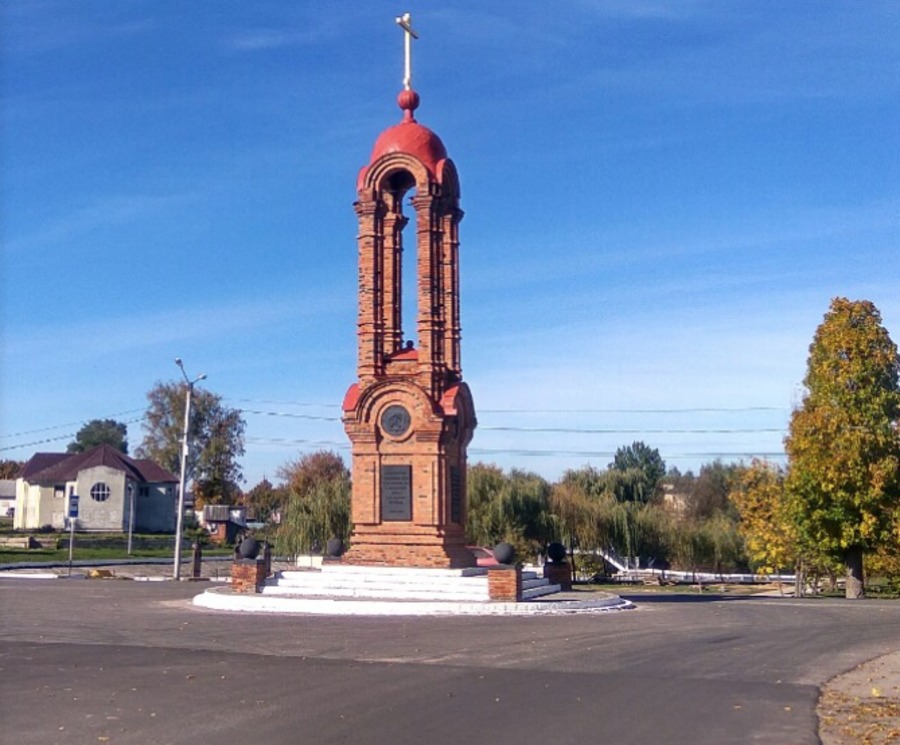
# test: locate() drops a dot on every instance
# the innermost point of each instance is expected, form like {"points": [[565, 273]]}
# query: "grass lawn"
{"points": [[876, 588], [18, 556], [715, 588]]}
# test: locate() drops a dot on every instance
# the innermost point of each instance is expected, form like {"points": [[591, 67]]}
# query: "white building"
{"points": [[110, 487], [7, 497]]}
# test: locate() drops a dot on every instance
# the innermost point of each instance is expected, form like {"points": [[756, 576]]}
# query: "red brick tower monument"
{"points": [[409, 416]]}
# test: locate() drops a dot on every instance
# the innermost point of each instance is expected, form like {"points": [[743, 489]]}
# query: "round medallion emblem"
{"points": [[395, 420]]}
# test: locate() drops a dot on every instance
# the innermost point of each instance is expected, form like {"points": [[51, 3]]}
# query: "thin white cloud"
{"points": [[642, 9], [270, 38], [47, 26], [115, 336], [590, 249], [107, 211]]}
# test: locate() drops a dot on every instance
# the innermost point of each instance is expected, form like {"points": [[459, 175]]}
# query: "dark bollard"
{"points": [[267, 558], [198, 560]]}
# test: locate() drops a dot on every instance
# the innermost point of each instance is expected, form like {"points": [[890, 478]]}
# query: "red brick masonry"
{"points": [[559, 574], [505, 584], [248, 575]]}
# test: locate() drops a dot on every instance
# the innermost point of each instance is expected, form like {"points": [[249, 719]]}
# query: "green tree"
{"points": [[264, 499], [317, 506], [708, 494], [302, 474], [216, 440], [9, 469], [637, 471], [484, 484], [589, 507], [526, 505], [100, 432], [843, 444], [512, 507], [573, 503]]}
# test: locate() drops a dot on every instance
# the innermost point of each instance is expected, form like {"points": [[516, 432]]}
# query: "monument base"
{"points": [[384, 545]]}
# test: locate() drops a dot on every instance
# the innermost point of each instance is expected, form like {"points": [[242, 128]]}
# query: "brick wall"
{"points": [[248, 575], [559, 574], [505, 584]]}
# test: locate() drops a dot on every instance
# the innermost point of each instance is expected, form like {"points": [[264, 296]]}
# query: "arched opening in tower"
{"points": [[405, 269], [409, 301]]}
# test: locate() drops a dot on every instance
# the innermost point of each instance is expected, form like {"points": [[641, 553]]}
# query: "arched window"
{"points": [[100, 492]]}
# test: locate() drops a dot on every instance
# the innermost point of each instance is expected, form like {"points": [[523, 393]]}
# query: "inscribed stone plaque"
{"points": [[396, 493], [455, 495]]}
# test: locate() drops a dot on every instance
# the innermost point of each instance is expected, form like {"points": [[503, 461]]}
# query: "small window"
{"points": [[100, 492], [144, 491], [59, 491]]}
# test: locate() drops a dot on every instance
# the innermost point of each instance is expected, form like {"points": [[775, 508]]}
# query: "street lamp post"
{"points": [[179, 518], [130, 489]]}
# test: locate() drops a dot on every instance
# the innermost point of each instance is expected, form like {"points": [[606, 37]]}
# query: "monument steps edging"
{"points": [[401, 583]]}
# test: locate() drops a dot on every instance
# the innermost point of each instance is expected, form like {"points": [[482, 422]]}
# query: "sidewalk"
{"points": [[213, 569], [863, 705]]}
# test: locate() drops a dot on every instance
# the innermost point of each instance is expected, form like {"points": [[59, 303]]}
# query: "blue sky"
{"points": [[661, 199]]}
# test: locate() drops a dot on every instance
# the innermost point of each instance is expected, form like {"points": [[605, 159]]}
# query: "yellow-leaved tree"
{"points": [[843, 446], [770, 537]]}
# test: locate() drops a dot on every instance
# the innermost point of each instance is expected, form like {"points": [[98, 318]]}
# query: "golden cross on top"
{"points": [[405, 22]]}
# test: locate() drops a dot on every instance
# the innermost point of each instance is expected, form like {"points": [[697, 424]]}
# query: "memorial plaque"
{"points": [[396, 493], [455, 495]]}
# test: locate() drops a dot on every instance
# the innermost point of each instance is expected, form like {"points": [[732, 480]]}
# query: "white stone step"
{"points": [[383, 582], [401, 583], [316, 580], [536, 592], [534, 582], [394, 592]]}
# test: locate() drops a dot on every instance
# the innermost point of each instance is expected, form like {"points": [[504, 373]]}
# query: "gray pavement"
{"points": [[132, 662]]}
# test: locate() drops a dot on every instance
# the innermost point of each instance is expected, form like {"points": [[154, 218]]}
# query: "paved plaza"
{"points": [[111, 661]]}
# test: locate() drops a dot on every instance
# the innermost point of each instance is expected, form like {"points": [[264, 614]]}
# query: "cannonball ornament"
{"points": [[334, 547], [504, 553], [249, 548], [556, 552]]}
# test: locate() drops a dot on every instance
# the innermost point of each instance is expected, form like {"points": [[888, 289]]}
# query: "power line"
{"points": [[633, 431], [38, 442], [611, 454], [283, 403], [74, 424], [674, 410], [579, 431], [698, 410], [289, 415]]}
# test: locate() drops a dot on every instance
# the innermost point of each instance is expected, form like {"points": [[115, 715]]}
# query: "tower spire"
{"points": [[405, 22]]}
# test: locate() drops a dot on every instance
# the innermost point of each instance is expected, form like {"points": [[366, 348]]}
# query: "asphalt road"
{"points": [[130, 662]]}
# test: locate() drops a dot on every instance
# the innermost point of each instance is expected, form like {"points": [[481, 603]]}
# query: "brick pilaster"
{"points": [[559, 573], [248, 575], [505, 584]]}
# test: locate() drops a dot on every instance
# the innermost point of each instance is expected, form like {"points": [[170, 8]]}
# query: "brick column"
{"points": [[505, 584], [248, 575], [559, 573]]}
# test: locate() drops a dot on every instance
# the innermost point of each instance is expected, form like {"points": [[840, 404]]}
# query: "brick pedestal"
{"points": [[248, 575], [559, 573], [505, 584]]}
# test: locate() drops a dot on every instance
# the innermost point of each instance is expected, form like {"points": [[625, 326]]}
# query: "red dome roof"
{"points": [[410, 137]]}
